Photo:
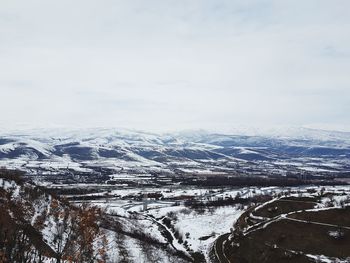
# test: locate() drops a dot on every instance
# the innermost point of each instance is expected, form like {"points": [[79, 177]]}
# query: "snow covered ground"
{"points": [[195, 229]]}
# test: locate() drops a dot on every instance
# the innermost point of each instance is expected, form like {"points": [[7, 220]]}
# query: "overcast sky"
{"points": [[170, 65]]}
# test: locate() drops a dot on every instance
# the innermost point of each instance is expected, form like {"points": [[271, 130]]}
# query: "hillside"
{"points": [[310, 228], [36, 226]]}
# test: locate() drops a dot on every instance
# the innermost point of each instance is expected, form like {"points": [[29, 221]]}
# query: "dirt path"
{"points": [[219, 249]]}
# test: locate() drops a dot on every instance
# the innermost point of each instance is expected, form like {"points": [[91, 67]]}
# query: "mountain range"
{"points": [[191, 152]]}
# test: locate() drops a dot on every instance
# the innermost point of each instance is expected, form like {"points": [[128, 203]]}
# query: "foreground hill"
{"points": [[36, 226], [313, 228]]}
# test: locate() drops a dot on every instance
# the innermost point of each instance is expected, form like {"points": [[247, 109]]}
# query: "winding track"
{"points": [[219, 249]]}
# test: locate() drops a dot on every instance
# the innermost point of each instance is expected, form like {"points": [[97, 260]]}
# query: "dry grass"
{"points": [[336, 216]]}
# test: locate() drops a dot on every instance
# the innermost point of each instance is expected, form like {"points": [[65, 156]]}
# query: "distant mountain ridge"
{"points": [[196, 150]]}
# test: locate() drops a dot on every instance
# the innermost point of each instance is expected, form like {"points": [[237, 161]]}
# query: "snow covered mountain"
{"points": [[183, 152]]}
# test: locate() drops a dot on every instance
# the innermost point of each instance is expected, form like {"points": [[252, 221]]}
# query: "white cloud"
{"points": [[174, 64]]}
